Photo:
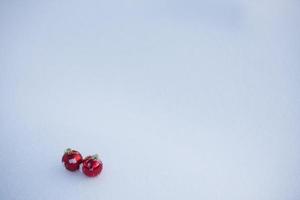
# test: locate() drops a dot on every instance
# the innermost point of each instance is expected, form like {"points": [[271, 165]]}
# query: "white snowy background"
{"points": [[181, 99]]}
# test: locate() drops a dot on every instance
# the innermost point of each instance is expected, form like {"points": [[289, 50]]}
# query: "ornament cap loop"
{"points": [[68, 150], [96, 156]]}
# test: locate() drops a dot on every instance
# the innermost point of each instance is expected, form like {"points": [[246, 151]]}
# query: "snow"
{"points": [[180, 99]]}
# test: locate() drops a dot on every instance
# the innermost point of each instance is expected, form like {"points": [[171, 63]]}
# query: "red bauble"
{"points": [[92, 166], [72, 159]]}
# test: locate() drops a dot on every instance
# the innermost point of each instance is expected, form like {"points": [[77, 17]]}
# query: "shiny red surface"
{"points": [[72, 160], [91, 166]]}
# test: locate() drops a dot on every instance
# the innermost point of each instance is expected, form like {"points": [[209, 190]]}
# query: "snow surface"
{"points": [[181, 99]]}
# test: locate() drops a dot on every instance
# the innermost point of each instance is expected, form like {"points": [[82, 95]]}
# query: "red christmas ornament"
{"points": [[92, 166], [72, 159]]}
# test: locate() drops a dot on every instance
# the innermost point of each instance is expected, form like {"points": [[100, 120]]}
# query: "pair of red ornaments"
{"points": [[91, 165]]}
